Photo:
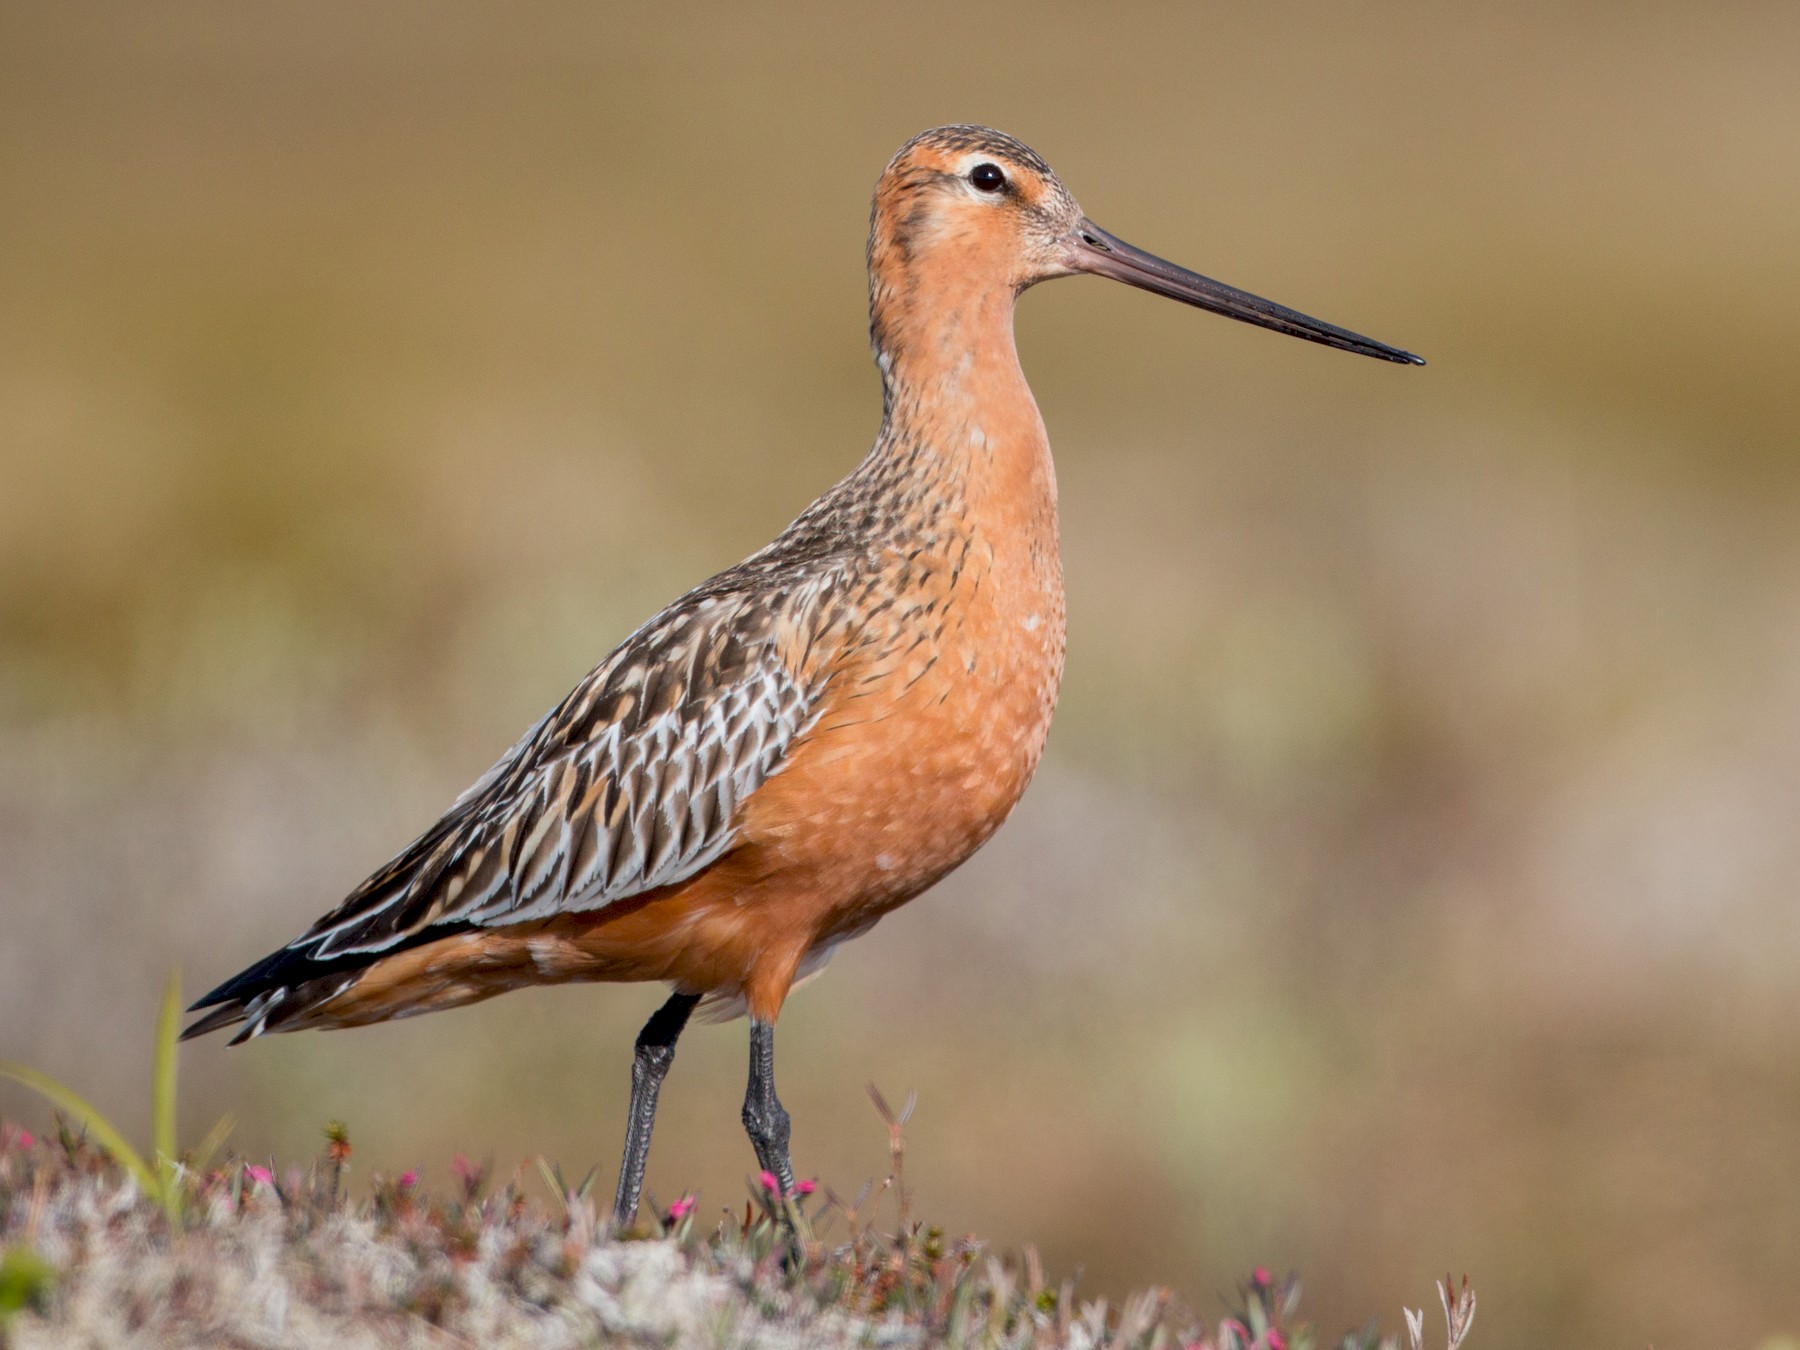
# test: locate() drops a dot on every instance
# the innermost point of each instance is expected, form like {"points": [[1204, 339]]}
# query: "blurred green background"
{"points": [[1410, 884]]}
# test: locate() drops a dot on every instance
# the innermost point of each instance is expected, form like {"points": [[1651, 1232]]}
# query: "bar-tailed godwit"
{"points": [[810, 738]]}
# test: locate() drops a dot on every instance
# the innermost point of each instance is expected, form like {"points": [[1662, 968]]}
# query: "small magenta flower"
{"points": [[463, 1168], [1276, 1340], [769, 1183], [259, 1174], [408, 1180], [25, 1139], [1260, 1277], [682, 1208], [805, 1187]]}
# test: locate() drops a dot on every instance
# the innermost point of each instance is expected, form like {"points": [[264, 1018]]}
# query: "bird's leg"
{"points": [[649, 1066], [765, 1119]]}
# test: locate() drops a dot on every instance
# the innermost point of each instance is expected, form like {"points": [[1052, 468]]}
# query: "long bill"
{"points": [[1107, 255]]}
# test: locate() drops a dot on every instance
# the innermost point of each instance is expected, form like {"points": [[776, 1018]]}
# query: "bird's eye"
{"points": [[987, 177]]}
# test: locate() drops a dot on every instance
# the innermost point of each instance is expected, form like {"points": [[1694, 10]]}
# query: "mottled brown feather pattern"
{"points": [[793, 748]]}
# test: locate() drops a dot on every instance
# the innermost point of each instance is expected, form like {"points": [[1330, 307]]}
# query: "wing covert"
{"points": [[632, 783]]}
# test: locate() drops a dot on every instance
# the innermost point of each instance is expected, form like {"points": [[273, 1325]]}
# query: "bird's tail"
{"points": [[275, 994]]}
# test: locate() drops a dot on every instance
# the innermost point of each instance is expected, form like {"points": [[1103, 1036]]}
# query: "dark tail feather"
{"points": [[292, 967], [252, 980], [218, 1017], [286, 984]]}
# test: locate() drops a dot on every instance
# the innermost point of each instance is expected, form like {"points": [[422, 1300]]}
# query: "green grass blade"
{"points": [[554, 1183], [96, 1124], [214, 1141], [162, 1095]]}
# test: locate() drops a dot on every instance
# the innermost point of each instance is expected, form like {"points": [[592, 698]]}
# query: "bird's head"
{"points": [[972, 201], [973, 209]]}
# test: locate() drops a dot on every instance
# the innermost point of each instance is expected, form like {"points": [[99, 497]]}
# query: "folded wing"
{"points": [[633, 782]]}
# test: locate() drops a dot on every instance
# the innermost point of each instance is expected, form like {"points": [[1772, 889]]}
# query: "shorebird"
{"points": [[810, 738]]}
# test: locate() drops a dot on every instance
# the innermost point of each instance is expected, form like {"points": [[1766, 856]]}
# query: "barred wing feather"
{"points": [[631, 783], [644, 803]]}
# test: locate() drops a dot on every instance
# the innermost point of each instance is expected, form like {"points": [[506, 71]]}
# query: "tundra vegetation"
{"points": [[102, 1246]]}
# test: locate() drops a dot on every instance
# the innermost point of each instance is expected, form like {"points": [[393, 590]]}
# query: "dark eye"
{"points": [[987, 177]]}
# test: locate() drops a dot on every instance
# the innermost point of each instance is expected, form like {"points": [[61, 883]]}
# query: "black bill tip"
{"points": [[1107, 255]]}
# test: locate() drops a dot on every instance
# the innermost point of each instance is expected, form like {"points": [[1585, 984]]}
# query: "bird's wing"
{"points": [[631, 783]]}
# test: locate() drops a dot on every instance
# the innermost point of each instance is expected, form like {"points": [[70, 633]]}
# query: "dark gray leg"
{"points": [[765, 1120], [655, 1053]]}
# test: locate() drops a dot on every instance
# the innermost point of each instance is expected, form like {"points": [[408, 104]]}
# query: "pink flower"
{"points": [[769, 1183], [682, 1208], [1260, 1277], [408, 1180], [1276, 1340], [261, 1174], [805, 1187], [463, 1168], [25, 1139]]}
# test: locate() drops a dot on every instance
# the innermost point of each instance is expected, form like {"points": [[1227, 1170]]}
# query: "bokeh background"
{"points": [[1411, 882]]}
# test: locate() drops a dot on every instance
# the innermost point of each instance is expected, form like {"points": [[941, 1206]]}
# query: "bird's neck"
{"points": [[959, 422]]}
